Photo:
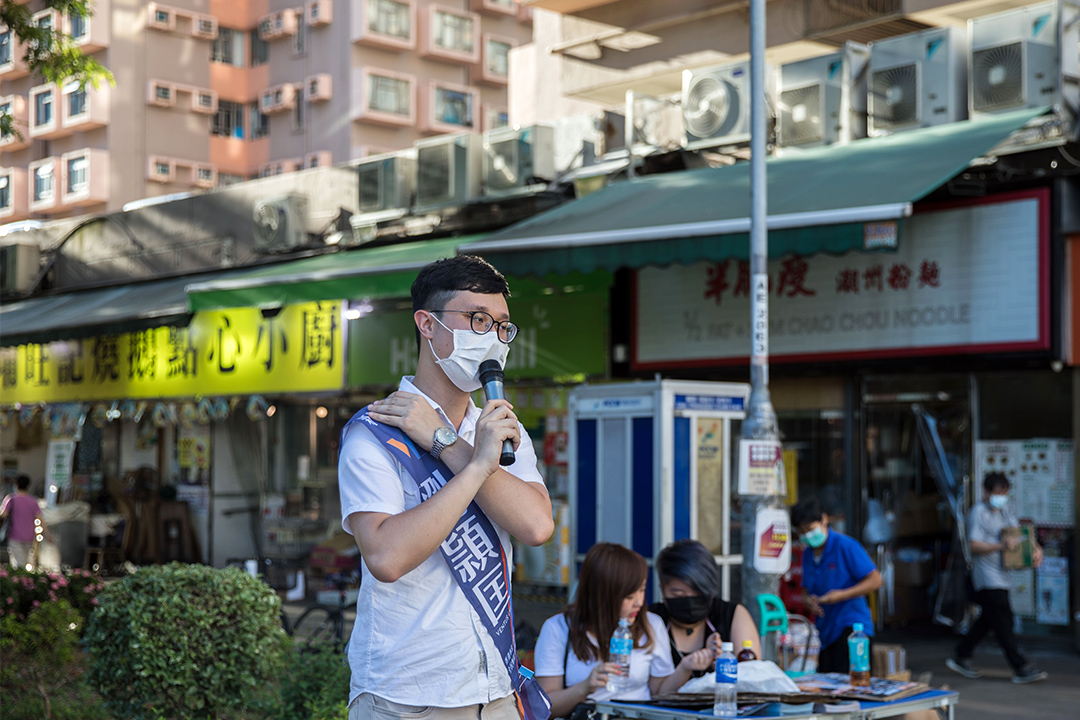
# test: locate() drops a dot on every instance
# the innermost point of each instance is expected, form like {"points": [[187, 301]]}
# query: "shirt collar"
{"points": [[472, 414]]}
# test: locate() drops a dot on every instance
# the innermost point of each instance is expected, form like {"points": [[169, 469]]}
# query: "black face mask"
{"points": [[688, 610]]}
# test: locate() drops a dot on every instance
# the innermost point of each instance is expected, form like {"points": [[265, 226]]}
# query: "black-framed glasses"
{"points": [[481, 323]]}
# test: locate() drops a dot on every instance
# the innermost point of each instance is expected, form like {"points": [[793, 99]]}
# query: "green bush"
{"points": [[315, 685], [41, 667], [186, 641], [22, 591]]}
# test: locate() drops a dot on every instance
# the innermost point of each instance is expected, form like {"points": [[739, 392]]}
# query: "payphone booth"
{"points": [[651, 462]]}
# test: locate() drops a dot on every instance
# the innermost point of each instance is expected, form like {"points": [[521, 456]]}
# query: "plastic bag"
{"points": [[760, 676]]}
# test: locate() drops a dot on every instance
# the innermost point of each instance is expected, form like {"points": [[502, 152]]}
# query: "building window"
{"points": [[45, 22], [228, 47], [229, 120], [77, 102], [5, 109], [390, 18], [161, 169], [389, 95], [5, 47], [76, 174], [453, 32], [206, 26], [163, 92], [453, 107], [498, 58], [206, 174], [78, 26], [162, 17], [298, 110], [260, 49], [43, 183], [229, 179], [500, 119], [260, 122], [5, 191], [300, 38], [43, 108]]}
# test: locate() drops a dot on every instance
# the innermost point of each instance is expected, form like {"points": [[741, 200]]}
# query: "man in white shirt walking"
{"points": [[418, 644], [986, 520]]}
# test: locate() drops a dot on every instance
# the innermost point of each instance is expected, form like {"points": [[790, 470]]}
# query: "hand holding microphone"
{"points": [[491, 377]]}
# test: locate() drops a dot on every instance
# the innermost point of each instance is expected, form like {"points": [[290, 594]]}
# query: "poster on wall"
{"points": [[1022, 592], [193, 454], [759, 467], [1052, 591], [1040, 473], [929, 297], [710, 482], [772, 541], [58, 467]]}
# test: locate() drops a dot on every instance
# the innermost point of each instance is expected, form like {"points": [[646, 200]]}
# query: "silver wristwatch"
{"points": [[444, 437]]}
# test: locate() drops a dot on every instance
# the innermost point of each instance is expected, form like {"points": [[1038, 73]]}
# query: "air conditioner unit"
{"points": [[1026, 58], [280, 224], [319, 87], [716, 105], [822, 100], [448, 170], [918, 80], [19, 265], [517, 160], [204, 26], [386, 184], [320, 12]]}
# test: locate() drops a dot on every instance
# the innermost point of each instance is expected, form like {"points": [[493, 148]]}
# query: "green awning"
{"points": [[371, 273], [85, 313], [819, 200]]}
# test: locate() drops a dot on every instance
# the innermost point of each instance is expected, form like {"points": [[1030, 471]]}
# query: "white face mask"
{"points": [[999, 501], [462, 367]]}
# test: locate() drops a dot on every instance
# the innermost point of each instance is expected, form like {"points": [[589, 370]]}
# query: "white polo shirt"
{"points": [[418, 641]]}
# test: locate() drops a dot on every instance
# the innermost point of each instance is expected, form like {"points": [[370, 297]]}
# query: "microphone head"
{"points": [[490, 370]]}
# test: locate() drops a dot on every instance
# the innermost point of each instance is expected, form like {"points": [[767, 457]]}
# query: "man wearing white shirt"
{"points": [[418, 646]]}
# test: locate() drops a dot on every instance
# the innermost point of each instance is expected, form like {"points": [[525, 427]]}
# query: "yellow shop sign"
{"points": [[225, 352]]}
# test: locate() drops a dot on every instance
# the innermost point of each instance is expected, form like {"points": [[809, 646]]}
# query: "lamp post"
{"points": [[765, 529]]}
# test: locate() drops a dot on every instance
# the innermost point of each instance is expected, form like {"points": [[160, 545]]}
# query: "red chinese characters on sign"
{"points": [[792, 279], [897, 276]]}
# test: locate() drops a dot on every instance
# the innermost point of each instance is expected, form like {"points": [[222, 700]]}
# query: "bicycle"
{"points": [[323, 624]]}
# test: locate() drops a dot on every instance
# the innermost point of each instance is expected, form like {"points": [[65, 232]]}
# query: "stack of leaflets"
{"points": [[880, 689]]}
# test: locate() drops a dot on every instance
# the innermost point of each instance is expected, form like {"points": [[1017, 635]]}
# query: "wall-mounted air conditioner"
{"points": [[716, 104], [280, 224], [19, 265], [918, 80], [518, 160], [448, 170], [1026, 58], [822, 100], [319, 87], [386, 185]]}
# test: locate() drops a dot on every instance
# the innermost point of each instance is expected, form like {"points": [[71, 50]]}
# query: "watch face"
{"points": [[445, 435]]}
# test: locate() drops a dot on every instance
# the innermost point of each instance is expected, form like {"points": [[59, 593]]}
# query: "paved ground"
{"points": [[994, 696]]}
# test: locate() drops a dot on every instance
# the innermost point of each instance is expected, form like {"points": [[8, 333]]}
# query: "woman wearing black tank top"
{"points": [[697, 619]]}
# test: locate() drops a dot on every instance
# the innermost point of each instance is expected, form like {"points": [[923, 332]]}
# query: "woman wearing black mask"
{"points": [[697, 619]]}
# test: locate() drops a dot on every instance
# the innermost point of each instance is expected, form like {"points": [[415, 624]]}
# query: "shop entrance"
{"points": [[916, 473]]}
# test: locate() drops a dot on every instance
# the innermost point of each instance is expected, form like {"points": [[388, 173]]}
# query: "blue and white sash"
{"points": [[476, 559]]}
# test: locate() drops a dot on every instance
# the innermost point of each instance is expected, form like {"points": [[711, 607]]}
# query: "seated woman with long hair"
{"points": [[572, 663]]}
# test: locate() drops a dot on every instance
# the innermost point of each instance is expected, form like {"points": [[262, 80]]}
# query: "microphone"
{"points": [[491, 377]]}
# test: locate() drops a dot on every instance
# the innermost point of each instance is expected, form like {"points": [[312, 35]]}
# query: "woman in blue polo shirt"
{"points": [[838, 574]]}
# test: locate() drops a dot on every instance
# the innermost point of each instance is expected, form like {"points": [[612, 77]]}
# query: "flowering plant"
{"points": [[22, 591]]}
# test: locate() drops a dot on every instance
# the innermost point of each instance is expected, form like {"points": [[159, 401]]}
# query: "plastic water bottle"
{"points": [[859, 656], [622, 642], [727, 675]]}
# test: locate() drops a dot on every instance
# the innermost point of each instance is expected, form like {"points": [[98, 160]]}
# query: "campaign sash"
{"points": [[476, 559]]}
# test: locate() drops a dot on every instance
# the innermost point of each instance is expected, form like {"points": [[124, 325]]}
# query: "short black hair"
{"points": [[806, 511], [437, 282], [22, 482], [995, 481], [691, 562]]}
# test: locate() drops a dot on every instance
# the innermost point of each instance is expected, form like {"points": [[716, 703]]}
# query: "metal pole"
{"points": [[760, 422]]}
